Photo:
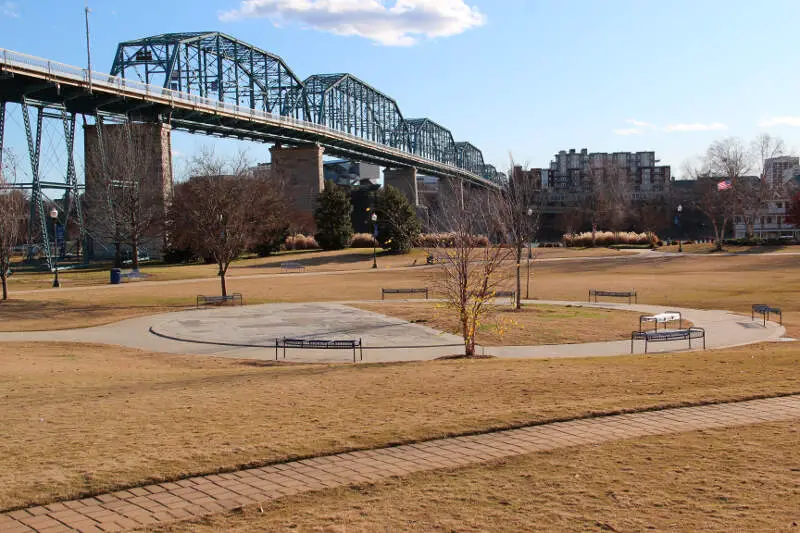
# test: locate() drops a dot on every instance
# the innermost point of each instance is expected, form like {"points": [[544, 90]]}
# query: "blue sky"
{"points": [[525, 76]]}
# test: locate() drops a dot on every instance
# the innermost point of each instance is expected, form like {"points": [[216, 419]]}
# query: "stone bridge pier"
{"points": [[405, 180]]}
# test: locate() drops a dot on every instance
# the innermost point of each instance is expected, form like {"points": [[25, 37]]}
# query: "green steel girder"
{"points": [[469, 158], [211, 65], [217, 66], [345, 103], [431, 140]]}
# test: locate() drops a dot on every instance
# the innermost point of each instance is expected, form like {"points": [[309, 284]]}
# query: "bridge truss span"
{"points": [[211, 65]]}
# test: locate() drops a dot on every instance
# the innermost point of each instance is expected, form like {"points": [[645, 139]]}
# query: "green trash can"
{"points": [[116, 276]]}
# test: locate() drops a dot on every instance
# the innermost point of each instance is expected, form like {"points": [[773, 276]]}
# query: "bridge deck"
{"points": [[23, 76]]}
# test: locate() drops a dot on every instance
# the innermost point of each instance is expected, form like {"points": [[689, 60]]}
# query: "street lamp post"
{"points": [[374, 219], [54, 218], [679, 209]]}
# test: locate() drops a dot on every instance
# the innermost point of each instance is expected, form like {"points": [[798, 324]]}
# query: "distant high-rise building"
{"points": [[776, 168], [570, 172]]}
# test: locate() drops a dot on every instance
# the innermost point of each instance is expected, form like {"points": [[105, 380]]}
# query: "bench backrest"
{"points": [[319, 343], [612, 293], [403, 291], [679, 334]]}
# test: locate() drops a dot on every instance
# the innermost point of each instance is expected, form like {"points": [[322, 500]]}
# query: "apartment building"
{"points": [[570, 173]]}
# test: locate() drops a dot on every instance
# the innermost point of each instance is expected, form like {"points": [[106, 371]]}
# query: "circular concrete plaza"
{"points": [[250, 332]]}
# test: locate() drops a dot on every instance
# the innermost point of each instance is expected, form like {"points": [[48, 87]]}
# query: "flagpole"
{"points": [[86, 11]]}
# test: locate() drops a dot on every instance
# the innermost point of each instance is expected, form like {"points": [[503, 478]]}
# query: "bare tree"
{"points": [[718, 174], [222, 210], [12, 213], [470, 275], [126, 195], [607, 194], [519, 209], [753, 195]]}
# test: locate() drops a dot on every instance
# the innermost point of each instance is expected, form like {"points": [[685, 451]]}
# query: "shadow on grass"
{"points": [[56, 314], [326, 260]]}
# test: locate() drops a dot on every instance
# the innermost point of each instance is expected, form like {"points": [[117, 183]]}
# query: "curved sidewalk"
{"points": [[250, 332], [196, 497]]}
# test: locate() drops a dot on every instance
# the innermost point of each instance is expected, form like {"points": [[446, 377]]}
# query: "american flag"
{"points": [[724, 185]]}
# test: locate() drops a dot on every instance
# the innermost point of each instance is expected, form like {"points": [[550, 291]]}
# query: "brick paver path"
{"points": [[204, 495]]}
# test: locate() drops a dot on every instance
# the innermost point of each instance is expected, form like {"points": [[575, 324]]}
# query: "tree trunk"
{"points": [[135, 248], [518, 303], [594, 234], [222, 281], [5, 285], [117, 254], [469, 345]]}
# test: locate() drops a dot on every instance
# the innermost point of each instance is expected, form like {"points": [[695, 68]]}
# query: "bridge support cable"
{"points": [[73, 194], [37, 213]]}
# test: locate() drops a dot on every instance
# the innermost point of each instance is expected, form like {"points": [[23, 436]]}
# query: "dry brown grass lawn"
{"points": [[722, 480], [351, 259], [83, 418], [702, 281], [531, 325], [707, 248]]}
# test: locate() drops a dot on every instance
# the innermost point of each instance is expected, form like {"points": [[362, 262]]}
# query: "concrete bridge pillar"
{"points": [[451, 190], [143, 149], [299, 168], [405, 180]]}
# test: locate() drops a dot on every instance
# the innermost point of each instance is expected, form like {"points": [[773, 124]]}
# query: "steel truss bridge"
{"points": [[212, 83]]}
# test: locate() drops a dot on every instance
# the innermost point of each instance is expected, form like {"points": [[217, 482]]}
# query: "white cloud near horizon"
{"points": [[386, 22], [640, 126], [780, 121], [9, 9], [628, 131], [640, 123], [696, 126]]}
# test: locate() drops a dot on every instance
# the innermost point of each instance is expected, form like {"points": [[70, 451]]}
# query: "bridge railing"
{"points": [[107, 81]]}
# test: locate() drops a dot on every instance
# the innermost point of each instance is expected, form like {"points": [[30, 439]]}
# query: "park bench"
{"points": [[511, 295], [219, 300], [630, 295], [320, 344], [765, 310], [662, 318], [292, 266], [669, 335], [423, 290]]}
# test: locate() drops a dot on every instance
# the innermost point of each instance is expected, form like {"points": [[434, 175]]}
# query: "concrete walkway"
{"points": [[250, 332], [205, 495]]}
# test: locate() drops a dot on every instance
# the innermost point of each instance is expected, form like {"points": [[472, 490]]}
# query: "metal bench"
{"points": [[765, 311], [661, 318], [614, 294], [292, 266], [320, 344], [424, 290], [219, 300], [667, 336], [512, 295]]}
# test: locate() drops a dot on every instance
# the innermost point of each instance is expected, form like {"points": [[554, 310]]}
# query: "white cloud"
{"points": [[640, 123], [780, 121], [628, 131], [697, 126], [387, 22], [9, 9]]}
